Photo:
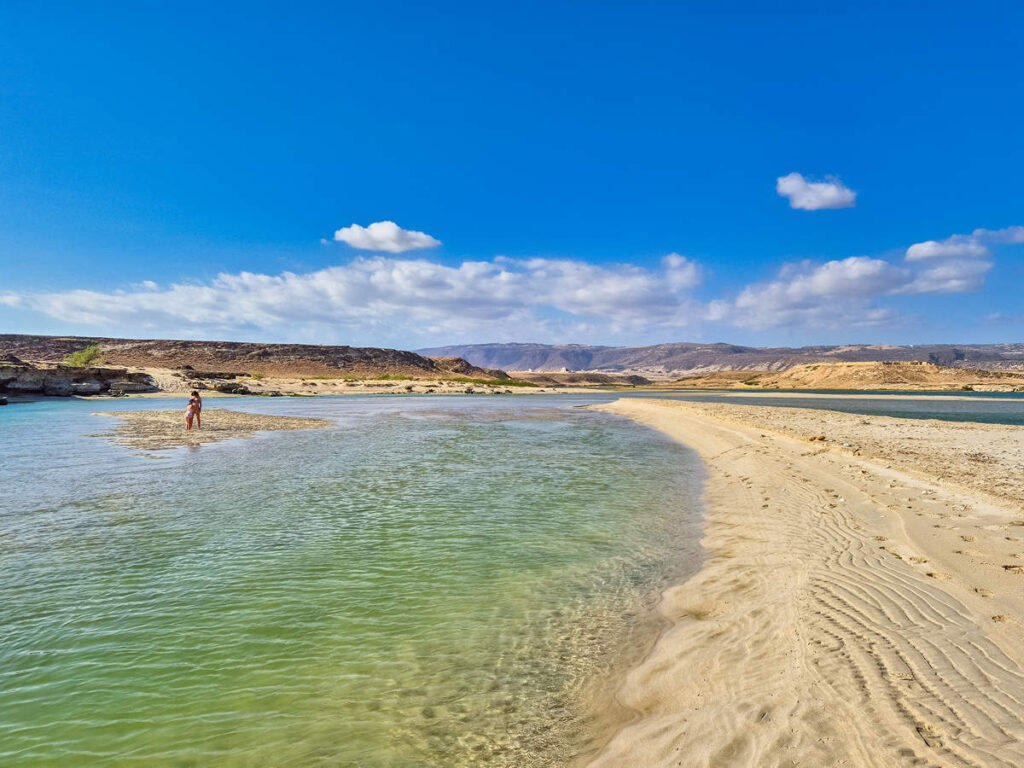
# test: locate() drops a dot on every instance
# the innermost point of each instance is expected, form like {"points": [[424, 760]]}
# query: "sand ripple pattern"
{"points": [[820, 632]]}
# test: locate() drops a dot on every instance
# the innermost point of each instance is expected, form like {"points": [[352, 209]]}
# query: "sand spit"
{"points": [[984, 458], [160, 430], [849, 613], [799, 394], [889, 374]]}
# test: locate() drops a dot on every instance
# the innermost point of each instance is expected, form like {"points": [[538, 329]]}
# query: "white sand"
{"points": [[848, 614]]}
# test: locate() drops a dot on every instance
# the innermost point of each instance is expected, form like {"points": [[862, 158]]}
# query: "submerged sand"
{"points": [[861, 604], [160, 430]]}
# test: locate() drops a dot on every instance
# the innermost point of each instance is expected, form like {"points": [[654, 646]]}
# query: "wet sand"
{"points": [[860, 605], [160, 430]]}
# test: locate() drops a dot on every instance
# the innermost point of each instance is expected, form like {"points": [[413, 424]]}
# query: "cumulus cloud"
{"points": [[960, 262], [964, 246], [847, 292], [378, 299], [815, 195], [953, 276], [680, 272], [1008, 235], [957, 246], [404, 300], [385, 236], [835, 294]]}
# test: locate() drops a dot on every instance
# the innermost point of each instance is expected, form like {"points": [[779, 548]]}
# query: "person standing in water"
{"points": [[194, 411]]}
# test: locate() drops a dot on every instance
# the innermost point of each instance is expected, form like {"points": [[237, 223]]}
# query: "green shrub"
{"points": [[493, 382], [83, 357]]}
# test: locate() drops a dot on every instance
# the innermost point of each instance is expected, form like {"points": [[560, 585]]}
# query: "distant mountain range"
{"points": [[686, 358]]}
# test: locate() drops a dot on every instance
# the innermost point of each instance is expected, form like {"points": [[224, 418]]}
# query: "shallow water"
{"points": [[983, 407], [431, 582]]}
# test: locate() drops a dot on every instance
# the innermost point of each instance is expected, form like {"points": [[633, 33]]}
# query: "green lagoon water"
{"points": [[431, 582]]}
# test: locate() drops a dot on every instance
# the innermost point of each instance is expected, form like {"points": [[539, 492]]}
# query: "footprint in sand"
{"points": [[1016, 570], [939, 575], [984, 592], [967, 538]]}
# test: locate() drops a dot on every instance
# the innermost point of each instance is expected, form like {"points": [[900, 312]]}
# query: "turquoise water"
{"points": [[982, 407], [430, 582]]}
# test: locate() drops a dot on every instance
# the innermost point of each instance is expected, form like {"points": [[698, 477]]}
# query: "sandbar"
{"points": [[860, 604], [161, 430]]}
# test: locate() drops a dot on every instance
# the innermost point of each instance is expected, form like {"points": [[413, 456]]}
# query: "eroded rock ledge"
{"points": [[20, 378]]}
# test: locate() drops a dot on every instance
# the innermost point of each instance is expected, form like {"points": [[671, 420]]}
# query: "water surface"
{"points": [[982, 407], [432, 582]]}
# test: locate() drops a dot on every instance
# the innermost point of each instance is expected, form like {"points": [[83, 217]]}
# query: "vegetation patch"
{"points": [[83, 357], [494, 382]]}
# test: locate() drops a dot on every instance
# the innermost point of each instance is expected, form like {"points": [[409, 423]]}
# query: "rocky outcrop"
{"points": [[459, 367], [19, 378], [228, 358]]}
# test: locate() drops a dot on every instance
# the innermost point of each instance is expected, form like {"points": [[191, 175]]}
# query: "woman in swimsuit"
{"points": [[195, 407]]}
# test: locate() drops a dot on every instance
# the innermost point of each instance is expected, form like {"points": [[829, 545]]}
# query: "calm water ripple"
{"points": [[431, 582]]}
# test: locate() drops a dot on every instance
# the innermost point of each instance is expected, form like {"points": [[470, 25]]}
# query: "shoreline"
{"points": [[847, 613], [861, 394]]}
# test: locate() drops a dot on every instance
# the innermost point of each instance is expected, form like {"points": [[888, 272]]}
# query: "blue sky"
{"points": [[593, 172]]}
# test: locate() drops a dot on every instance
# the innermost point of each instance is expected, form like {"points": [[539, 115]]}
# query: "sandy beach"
{"points": [[861, 603]]}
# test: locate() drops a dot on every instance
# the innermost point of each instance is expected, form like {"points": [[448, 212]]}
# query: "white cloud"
{"points": [[680, 272], [954, 276], [815, 195], [846, 292], [959, 263], [384, 236], [835, 294], [1008, 235], [957, 246], [964, 246], [406, 301]]}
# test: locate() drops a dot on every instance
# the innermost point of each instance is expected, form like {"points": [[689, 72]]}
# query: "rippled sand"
{"points": [[852, 611]]}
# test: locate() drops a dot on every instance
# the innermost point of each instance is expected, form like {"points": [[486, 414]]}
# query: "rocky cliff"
{"points": [[239, 357], [20, 378]]}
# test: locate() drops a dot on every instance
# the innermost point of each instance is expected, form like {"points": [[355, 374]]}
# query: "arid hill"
{"points": [[581, 379], [678, 359], [294, 360], [884, 375]]}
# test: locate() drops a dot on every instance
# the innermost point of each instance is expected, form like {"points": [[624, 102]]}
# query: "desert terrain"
{"points": [[879, 375]]}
